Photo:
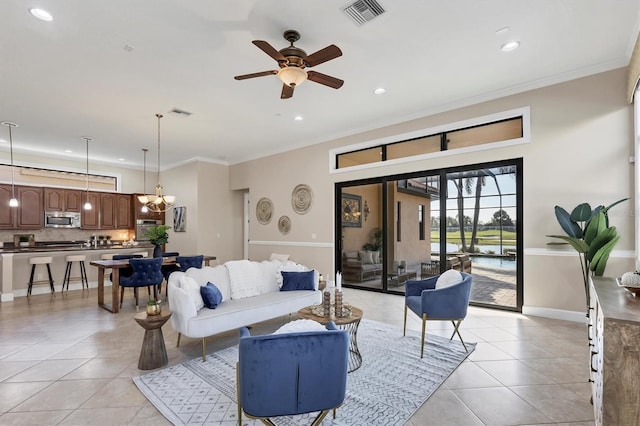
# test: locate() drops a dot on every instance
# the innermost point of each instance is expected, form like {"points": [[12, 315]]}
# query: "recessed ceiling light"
{"points": [[298, 118], [68, 151], [3, 141], [508, 47], [379, 91], [121, 159], [41, 14]]}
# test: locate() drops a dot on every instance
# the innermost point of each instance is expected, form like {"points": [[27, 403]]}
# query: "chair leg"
{"points": [[67, 277], [404, 330], [53, 289], [178, 344], [33, 270], [121, 295], [237, 392], [204, 349], [135, 293], [83, 275], [456, 329], [424, 324]]}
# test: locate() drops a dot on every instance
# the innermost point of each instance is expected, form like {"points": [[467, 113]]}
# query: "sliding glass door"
{"points": [[397, 228]]}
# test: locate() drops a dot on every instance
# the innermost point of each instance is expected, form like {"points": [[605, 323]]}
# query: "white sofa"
{"points": [[250, 294]]}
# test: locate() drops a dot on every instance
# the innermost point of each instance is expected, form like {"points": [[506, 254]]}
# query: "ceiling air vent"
{"points": [[363, 11]]}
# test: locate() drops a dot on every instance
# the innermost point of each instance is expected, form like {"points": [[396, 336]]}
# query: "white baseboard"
{"points": [[555, 313], [45, 289], [6, 297]]}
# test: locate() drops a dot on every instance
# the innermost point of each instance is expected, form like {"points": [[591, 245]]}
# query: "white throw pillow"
{"points": [[449, 278], [193, 290], [280, 257], [300, 325]]}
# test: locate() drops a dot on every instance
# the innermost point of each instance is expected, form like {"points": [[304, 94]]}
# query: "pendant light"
{"points": [[159, 202], [87, 204], [13, 202], [144, 208]]}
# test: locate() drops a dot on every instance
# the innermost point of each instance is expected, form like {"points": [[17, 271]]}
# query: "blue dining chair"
{"points": [[448, 303], [168, 269], [187, 262], [292, 373], [146, 273]]}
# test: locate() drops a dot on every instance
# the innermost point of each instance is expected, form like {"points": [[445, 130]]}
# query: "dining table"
{"points": [[116, 266]]}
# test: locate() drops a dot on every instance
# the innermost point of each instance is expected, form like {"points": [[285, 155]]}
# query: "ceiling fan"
{"points": [[292, 62]]}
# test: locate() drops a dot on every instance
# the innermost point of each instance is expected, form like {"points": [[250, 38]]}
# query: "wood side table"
{"points": [[349, 323], [153, 353]]}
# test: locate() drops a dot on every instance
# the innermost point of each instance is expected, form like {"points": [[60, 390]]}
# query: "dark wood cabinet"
{"points": [[91, 218], [124, 215], [59, 200], [7, 214], [108, 203], [30, 213]]}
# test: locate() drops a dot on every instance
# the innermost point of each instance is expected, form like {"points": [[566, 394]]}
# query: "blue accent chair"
{"points": [[124, 272], [187, 262], [146, 273], [292, 373], [443, 304]]}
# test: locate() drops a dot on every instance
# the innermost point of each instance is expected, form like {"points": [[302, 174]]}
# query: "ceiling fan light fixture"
{"points": [[292, 76]]}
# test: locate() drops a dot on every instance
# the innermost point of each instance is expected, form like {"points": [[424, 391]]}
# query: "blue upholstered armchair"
{"points": [[438, 304], [292, 373], [187, 262], [146, 272]]}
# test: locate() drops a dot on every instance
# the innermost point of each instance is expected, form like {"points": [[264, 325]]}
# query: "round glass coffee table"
{"points": [[349, 323]]}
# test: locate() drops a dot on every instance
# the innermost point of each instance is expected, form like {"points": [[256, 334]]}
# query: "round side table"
{"points": [[153, 353], [349, 323]]}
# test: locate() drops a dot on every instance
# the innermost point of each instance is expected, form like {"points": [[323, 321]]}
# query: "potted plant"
{"points": [[153, 307], [158, 237], [590, 235], [376, 244]]}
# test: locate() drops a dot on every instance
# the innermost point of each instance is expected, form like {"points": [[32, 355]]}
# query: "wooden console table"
{"points": [[153, 353], [614, 339]]}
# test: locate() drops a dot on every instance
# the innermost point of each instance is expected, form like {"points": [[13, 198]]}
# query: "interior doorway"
{"points": [[397, 228]]}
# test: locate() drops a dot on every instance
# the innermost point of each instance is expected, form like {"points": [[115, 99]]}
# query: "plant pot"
{"points": [[157, 251], [154, 310]]}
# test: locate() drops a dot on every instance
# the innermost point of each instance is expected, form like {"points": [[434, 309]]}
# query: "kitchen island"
{"points": [[15, 268]]}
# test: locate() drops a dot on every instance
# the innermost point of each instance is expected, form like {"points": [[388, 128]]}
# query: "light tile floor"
{"points": [[65, 361]]}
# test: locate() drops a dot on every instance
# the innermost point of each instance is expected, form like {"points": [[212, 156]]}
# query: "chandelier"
{"points": [[157, 202]]}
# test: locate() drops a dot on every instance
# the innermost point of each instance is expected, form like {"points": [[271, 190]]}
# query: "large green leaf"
{"points": [[581, 213], [577, 244], [600, 240], [595, 227], [570, 227], [606, 209], [604, 252]]}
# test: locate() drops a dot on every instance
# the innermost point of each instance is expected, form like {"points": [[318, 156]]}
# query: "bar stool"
{"points": [[42, 260], [80, 258]]}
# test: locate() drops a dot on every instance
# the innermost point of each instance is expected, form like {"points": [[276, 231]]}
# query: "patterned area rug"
{"points": [[392, 383]]}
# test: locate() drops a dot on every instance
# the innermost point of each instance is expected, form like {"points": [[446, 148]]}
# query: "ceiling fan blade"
{"points": [[327, 80], [269, 50], [255, 74], [287, 92], [323, 55]]}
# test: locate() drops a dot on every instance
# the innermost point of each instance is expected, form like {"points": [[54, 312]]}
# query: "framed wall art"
{"points": [[179, 219], [351, 210]]}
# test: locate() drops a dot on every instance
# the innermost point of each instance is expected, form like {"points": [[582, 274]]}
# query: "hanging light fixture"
{"points": [[87, 204], [13, 202], [158, 202], [144, 208]]}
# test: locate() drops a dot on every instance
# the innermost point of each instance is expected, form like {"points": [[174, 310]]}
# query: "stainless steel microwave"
{"points": [[62, 220]]}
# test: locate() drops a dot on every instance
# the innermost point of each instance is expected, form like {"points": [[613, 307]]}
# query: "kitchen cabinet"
{"points": [[108, 210], [614, 334], [124, 215], [91, 218], [63, 200], [29, 213]]}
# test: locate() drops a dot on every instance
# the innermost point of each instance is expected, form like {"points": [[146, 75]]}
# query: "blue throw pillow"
{"points": [[297, 281], [211, 295]]}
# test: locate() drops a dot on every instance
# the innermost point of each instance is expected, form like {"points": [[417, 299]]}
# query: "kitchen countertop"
{"points": [[70, 247]]}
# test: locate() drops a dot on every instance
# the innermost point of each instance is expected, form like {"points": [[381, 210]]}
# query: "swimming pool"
{"points": [[494, 262]]}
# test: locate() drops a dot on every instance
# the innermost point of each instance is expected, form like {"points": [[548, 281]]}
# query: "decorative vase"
{"points": [[157, 251], [154, 309]]}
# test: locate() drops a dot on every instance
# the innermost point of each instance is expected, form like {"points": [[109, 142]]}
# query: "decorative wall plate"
{"points": [[301, 199], [284, 224], [264, 210]]}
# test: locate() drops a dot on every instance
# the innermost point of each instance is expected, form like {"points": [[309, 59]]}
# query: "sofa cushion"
{"points": [[269, 272], [218, 275], [192, 288], [351, 255], [289, 266], [297, 280], [245, 278], [365, 257], [300, 325], [280, 257], [375, 256], [211, 295], [448, 278]]}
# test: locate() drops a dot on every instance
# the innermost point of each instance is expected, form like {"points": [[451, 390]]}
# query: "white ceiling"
{"points": [[72, 77]]}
